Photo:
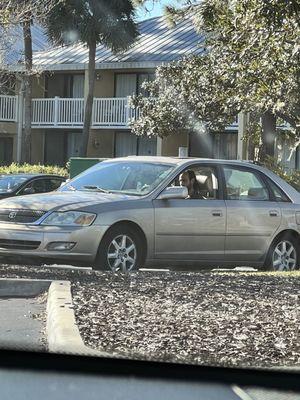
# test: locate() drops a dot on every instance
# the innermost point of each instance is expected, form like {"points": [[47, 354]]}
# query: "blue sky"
{"points": [[156, 9]]}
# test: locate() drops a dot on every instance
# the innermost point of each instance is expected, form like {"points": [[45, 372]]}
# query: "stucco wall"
{"points": [[38, 87], [37, 146], [104, 84], [55, 85], [171, 144], [101, 143]]}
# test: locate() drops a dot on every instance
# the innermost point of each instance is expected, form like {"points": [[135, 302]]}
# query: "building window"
{"points": [[6, 151], [129, 84], [128, 144]]}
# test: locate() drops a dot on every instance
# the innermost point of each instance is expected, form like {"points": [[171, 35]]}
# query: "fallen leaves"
{"points": [[193, 317], [204, 317]]}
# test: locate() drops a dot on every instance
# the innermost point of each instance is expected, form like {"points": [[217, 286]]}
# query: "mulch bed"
{"points": [[204, 318]]}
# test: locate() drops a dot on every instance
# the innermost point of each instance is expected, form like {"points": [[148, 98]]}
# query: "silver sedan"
{"points": [[125, 213]]}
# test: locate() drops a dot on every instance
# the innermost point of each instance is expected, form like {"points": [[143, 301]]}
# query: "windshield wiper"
{"points": [[97, 188]]}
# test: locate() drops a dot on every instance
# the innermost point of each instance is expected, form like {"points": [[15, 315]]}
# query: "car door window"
{"points": [[278, 194], [244, 184], [53, 184], [205, 181], [35, 186]]}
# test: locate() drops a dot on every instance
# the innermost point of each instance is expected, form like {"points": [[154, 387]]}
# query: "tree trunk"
{"points": [[26, 151], [268, 136], [251, 150], [89, 100]]}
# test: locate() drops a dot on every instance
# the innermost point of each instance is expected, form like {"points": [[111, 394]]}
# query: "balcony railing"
{"points": [[57, 112], [62, 113], [8, 108]]}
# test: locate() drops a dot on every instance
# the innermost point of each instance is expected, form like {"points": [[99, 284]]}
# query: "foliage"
{"points": [[249, 63], [291, 177], [110, 22], [33, 169]]}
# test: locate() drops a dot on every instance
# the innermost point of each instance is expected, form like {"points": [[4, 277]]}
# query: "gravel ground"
{"points": [[230, 319]]}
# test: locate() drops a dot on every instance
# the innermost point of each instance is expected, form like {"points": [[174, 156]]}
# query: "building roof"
{"points": [[12, 43], [158, 43]]}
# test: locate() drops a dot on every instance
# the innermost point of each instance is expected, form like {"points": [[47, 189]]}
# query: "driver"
{"points": [[189, 180]]}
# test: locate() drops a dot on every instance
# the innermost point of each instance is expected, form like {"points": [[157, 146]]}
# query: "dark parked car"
{"points": [[21, 184]]}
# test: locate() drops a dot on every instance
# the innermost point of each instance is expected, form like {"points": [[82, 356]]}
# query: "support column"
{"points": [[20, 120], [159, 146], [85, 94], [242, 153]]}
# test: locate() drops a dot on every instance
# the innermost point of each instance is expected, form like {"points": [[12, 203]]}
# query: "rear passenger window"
{"points": [[278, 193], [244, 185]]}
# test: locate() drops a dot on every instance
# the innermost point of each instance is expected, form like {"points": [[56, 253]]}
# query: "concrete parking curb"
{"points": [[23, 287], [62, 332]]}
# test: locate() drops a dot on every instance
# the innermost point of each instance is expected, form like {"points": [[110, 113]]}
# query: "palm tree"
{"points": [[23, 13], [107, 22]]}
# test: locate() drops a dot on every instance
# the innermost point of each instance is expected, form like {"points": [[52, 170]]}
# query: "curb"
{"points": [[23, 287], [62, 332]]}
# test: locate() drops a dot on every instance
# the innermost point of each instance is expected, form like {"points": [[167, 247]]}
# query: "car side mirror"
{"points": [[173, 192]]}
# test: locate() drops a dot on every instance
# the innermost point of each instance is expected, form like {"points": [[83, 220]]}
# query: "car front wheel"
{"points": [[120, 251]]}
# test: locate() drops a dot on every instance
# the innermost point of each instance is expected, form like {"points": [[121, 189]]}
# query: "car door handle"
{"points": [[273, 213], [216, 213]]}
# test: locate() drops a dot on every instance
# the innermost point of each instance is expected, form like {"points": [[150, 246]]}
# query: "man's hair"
{"points": [[192, 175]]}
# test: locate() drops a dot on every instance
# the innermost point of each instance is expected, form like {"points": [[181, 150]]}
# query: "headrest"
{"points": [[258, 193]]}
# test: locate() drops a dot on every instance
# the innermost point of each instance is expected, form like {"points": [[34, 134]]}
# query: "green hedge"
{"points": [[33, 169]]}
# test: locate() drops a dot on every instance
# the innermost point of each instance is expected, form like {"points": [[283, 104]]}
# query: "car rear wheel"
{"points": [[121, 250], [283, 254]]}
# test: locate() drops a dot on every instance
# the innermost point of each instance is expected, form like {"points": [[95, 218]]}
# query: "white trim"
{"points": [[99, 66], [98, 128]]}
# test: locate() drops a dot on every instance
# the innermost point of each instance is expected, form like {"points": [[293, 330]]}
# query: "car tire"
{"points": [[283, 254], [122, 250]]}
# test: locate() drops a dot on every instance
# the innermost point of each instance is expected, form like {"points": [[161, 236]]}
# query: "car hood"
{"points": [[61, 200]]}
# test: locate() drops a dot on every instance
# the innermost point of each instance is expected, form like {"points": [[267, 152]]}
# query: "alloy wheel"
{"points": [[122, 254], [284, 256]]}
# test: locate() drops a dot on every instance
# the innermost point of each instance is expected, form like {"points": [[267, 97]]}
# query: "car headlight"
{"points": [[70, 218]]}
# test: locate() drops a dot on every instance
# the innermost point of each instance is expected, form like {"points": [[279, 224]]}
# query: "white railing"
{"points": [[8, 108], [57, 112], [69, 112], [61, 112], [110, 112]]}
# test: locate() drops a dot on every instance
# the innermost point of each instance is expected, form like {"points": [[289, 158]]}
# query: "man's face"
{"points": [[184, 180]]}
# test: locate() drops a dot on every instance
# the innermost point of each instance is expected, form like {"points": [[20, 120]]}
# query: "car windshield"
{"points": [[11, 183], [134, 178]]}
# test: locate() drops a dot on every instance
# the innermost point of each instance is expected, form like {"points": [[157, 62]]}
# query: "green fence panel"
{"points": [[80, 164]]}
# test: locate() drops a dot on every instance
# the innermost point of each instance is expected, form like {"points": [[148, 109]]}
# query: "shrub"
{"points": [[33, 169], [290, 176]]}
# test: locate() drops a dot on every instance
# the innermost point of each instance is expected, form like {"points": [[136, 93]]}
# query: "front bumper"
{"points": [[86, 240]]}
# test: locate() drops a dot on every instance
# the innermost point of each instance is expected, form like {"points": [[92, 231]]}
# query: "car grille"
{"points": [[19, 244], [16, 215]]}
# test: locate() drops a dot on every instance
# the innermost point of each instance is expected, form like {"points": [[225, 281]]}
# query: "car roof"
{"points": [[179, 160], [33, 175]]}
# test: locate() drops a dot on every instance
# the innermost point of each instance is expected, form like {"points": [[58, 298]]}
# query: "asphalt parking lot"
{"points": [[21, 323]]}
